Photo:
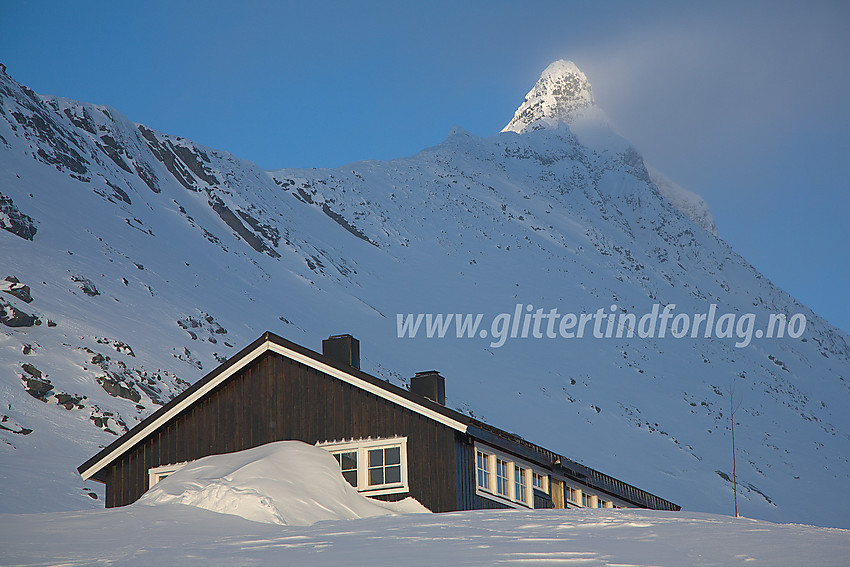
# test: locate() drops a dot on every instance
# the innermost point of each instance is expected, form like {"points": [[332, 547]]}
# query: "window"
{"points": [[384, 466], [591, 501], [502, 477], [539, 481], [570, 494], [520, 488], [506, 479], [483, 468], [156, 474], [348, 463], [372, 466]]}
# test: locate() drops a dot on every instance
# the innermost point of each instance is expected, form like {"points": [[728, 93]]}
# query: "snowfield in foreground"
{"points": [[174, 534], [296, 484]]}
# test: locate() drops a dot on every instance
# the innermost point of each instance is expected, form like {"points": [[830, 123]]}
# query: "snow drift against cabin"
{"points": [[287, 483]]}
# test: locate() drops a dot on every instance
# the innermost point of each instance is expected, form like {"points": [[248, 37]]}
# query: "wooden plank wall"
{"points": [[467, 499], [275, 399]]}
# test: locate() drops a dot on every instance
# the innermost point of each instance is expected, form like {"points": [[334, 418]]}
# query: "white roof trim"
{"points": [[247, 359], [121, 449]]}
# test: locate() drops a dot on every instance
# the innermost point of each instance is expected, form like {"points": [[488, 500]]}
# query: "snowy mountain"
{"points": [[562, 94], [134, 261]]}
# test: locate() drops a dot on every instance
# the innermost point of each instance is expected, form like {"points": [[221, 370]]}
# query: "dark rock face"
{"points": [[38, 389], [233, 222], [53, 143], [70, 401], [271, 233], [106, 420], [19, 290], [172, 163], [341, 221], [86, 285], [121, 381], [114, 150], [35, 383], [31, 370], [147, 175], [119, 346], [305, 195], [119, 193], [84, 121], [186, 356], [14, 221], [114, 386], [152, 391], [204, 324], [193, 160], [7, 424], [11, 316]]}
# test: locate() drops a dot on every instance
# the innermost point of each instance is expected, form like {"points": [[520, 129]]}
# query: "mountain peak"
{"points": [[558, 95]]}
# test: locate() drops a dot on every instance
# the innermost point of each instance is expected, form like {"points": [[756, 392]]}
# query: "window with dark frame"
{"points": [[348, 464], [483, 467], [520, 486], [372, 466], [537, 481], [384, 466], [502, 477]]}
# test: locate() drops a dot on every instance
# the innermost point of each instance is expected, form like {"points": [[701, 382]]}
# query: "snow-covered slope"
{"points": [[149, 258], [181, 535], [318, 519]]}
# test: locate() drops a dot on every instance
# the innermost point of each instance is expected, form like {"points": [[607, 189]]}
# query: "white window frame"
{"points": [[589, 500], [544, 485], [523, 482], [572, 495], [488, 470], [362, 448], [156, 474], [512, 462], [504, 480], [585, 498]]}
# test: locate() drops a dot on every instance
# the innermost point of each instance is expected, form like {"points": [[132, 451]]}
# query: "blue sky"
{"points": [[744, 103]]}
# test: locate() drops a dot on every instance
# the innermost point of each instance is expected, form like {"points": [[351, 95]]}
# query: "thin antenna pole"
{"points": [[734, 477]]}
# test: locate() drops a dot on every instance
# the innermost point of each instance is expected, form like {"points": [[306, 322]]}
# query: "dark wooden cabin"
{"points": [[390, 442]]}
